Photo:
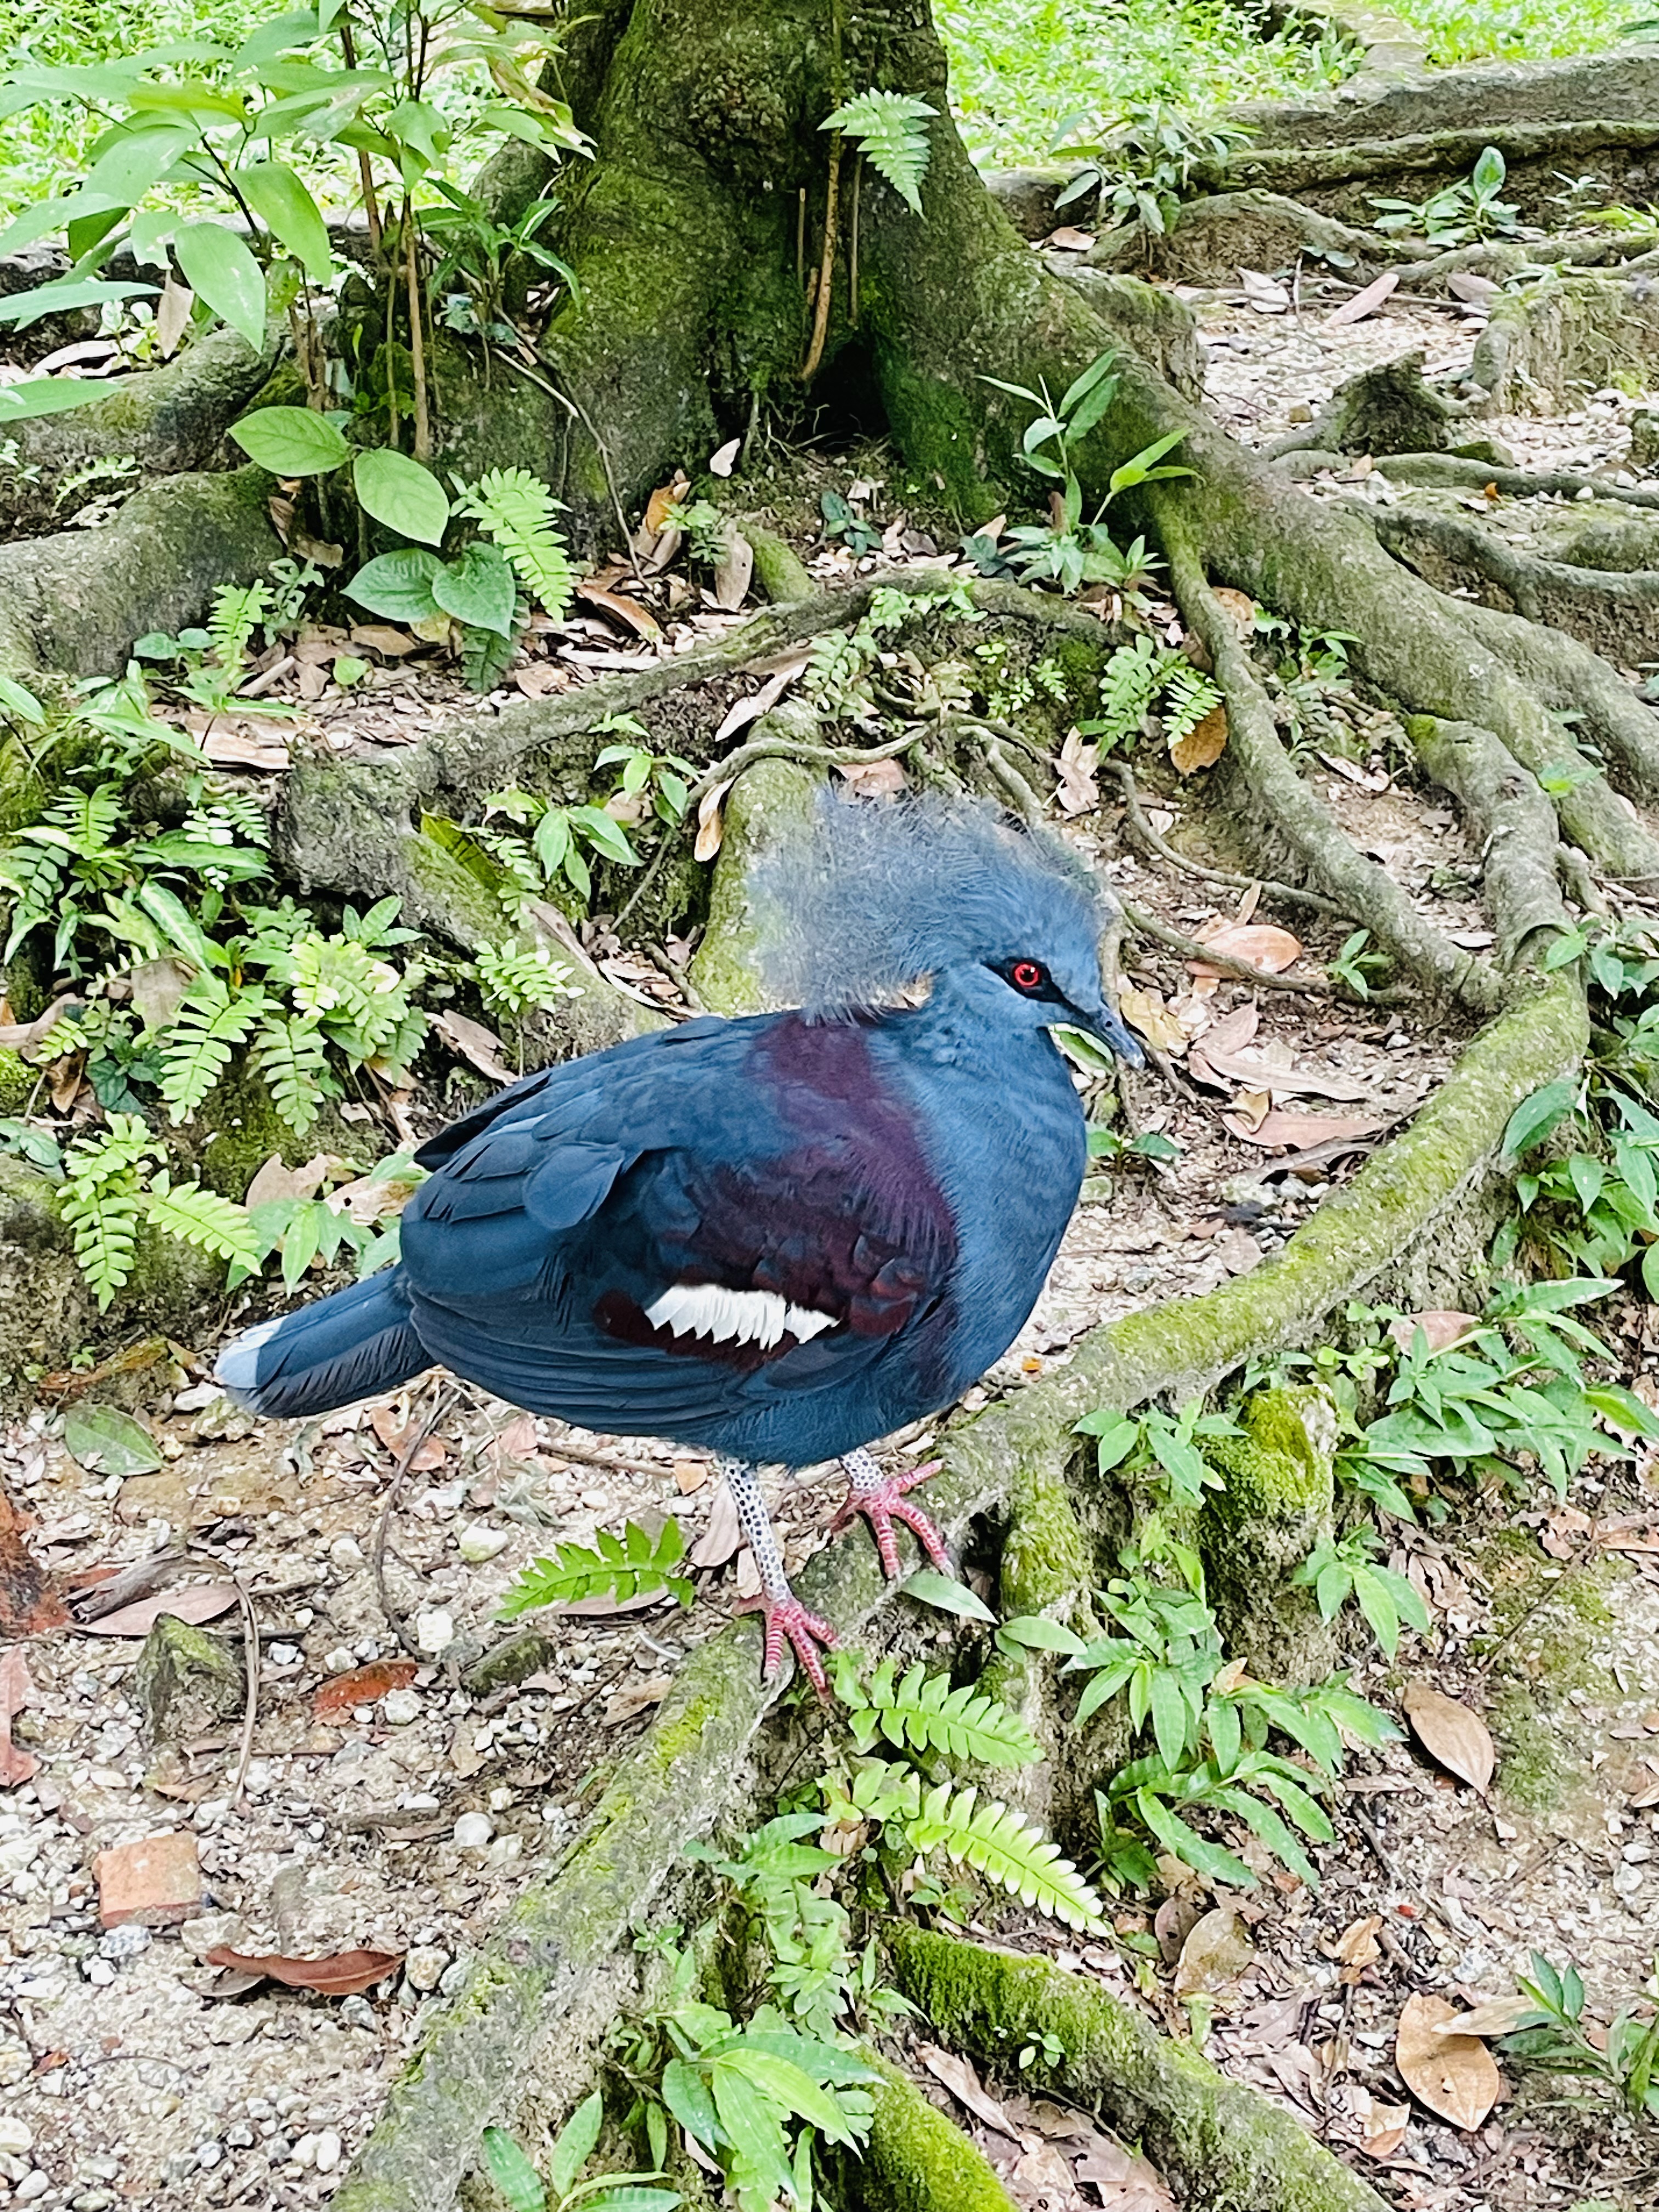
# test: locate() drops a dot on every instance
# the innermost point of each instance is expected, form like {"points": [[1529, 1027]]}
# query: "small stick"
{"points": [[852, 243], [365, 174], [442, 1403], [1291, 893], [1148, 925], [417, 340], [826, 268]]}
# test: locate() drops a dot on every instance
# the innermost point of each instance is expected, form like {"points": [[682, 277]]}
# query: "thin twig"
{"points": [[443, 1399], [826, 267], [852, 244], [365, 174], [417, 339], [1292, 894]]}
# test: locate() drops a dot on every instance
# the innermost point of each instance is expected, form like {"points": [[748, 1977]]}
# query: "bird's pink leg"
{"points": [[785, 1617], [881, 1499]]}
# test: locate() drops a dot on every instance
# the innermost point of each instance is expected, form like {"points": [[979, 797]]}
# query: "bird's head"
{"points": [[873, 900]]}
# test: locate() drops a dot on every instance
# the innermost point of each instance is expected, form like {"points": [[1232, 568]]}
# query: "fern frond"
{"points": [[1008, 1850], [622, 1567], [486, 656], [1187, 697], [209, 1025], [238, 611], [291, 1056], [194, 1215], [515, 510], [1126, 686], [924, 1713], [100, 1202], [890, 131]]}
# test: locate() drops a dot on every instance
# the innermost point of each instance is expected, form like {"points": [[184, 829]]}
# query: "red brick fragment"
{"points": [[157, 1882]]}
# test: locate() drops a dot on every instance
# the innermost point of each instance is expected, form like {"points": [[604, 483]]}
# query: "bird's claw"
{"points": [[886, 1503], [787, 1618]]}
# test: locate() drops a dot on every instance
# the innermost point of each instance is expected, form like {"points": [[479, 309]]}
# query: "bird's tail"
{"points": [[351, 1346]]}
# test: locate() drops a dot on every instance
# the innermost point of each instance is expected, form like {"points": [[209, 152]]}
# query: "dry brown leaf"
{"points": [[1070, 240], [343, 1975], [276, 1180], [15, 1764], [1384, 2129], [690, 1475], [1258, 1069], [1239, 605], [959, 2078], [1363, 303], [724, 458], [1440, 1326], [1450, 1732], [629, 612], [1464, 284], [873, 779], [1498, 2017], [710, 824], [227, 747], [1281, 1132], [1203, 744], [1232, 1030], [1215, 1954], [1125, 2183], [196, 1603], [429, 1452], [1145, 1011], [1251, 1108], [637, 1699], [1258, 942], [720, 1539], [474, 1043], [664, 498], [733, 572], [22, 1037], [172, 313], [380, 637], [741, 712], [363, 1686], [1455, 2076], [1358, 1946], [1079, 793]]}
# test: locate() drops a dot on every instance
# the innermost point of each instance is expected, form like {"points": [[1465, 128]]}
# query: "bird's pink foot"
{"points": [[882, 1500], [787, 1617]]}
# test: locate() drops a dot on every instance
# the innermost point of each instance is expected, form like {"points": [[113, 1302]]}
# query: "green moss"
{"points": [[1221, 2145], [18, 1082], [766, 802], [1280, 1468], [916, 2160]]}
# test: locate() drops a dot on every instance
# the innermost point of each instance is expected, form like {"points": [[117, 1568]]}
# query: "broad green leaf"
{"points": [[1535, 1117], [291, 441], [65, 293], [574, 2145], [283, 203], [1210, 1860], [1376, 1603], [783, 2083], [1170, 1717], [751, 2124], [512, 2173], [1095, 373], [932, 1588], [478, 587], [686, 2095], [400, 493], [398, 586], [48, 395], [136, 163], [219, 268], [1039, 1633], [20, 705], [106, 1441]]}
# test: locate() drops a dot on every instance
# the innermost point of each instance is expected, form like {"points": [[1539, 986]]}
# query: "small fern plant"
{"points": [[514, 979], [515, 511], [890, 129], [632, 1564], [1139, 676], [112, 1185], [923, 1713]]}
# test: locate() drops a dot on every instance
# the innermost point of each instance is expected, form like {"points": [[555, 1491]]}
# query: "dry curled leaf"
{"points": [[1215, 1954], [1384, 2129], [718, 1540], [15, 1764], [959, 2078], [1363, 303], [1267, 296], [343, 1975], [1358, 1946], [195, 1602], [1458, 1738], [1069, 240], [1441, 1327], [474, 1043], [1203, 744], [629, 612], [1498, 2017], [724, 458], [733, 572], [1264, 947], [363, 1686], [710, 823], [741, 712], [1078, 792], [1145, 1011], [664, 498], [1280, 1132], [1455, 2076]]}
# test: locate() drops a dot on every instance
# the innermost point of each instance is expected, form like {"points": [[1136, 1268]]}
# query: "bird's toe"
{"points": [[788, 1620]]}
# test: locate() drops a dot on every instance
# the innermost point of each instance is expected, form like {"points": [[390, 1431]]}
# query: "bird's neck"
{"points": [[954, 1029]]}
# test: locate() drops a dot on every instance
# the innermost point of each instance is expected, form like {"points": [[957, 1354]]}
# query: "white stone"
{"points": [[328, 2148], [341, 1660], [98, 1971], [401, 1707], [434, 1632], [346, 1552], [304, 2151], [34, 2184], [16, 2134], [425, 1966], [473, 1830], [479, 1543]]}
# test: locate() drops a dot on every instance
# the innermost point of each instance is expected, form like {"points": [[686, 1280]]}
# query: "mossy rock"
{"points": [[237, 1129], [1275, 1506], [187, 1682]]}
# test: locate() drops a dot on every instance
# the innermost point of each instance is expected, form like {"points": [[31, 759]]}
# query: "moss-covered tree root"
{"points": [[916, 2160], [553, 1965], [1517, 828], [1220, 2143]]}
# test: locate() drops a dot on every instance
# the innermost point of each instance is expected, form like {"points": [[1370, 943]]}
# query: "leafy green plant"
{"points": [[890, 129], [842, 521], [1337, 1571], [515, 510], [1153, 1440], [1554, 2034], [524, 2190], [1357, 965], [922, 1713], [1141, 173], [561, 840], [515, 978], [1139, 676], [1470, 209], [477, 257], [306, 1229], [621, 1567], [1070, 551], [662, 777], [113, 1183]]}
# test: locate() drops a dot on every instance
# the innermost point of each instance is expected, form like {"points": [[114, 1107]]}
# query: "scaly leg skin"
{"points": [[786, 1616], [881, 1499]]}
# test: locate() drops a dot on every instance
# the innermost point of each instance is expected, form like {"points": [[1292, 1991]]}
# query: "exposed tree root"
{"points": [[1517, 826], [1295, 170], [916, 2160], [1224, 2146], [1435, 469], [1145, 836]]}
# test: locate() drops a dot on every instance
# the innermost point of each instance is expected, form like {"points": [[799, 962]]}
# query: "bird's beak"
{"points": [[1106, 1028]]}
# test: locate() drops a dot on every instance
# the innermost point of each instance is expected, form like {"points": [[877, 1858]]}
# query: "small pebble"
{"points": [[208, 2153], [282, 1655], [125, 1941], [341, 1660], [98, 1971], [434, 1632], [421, 1968], [400, 1707], [328, 2148], [17, 2137], [479, 1543], [473, 1830], [357, 2012], [34, 2183], [346, 1552]]}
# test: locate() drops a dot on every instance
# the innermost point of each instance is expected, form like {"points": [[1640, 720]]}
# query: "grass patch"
{"points": [[1526, 30]]}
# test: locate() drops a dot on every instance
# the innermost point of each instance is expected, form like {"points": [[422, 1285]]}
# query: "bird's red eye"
{"points": [[1027, 975]]}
